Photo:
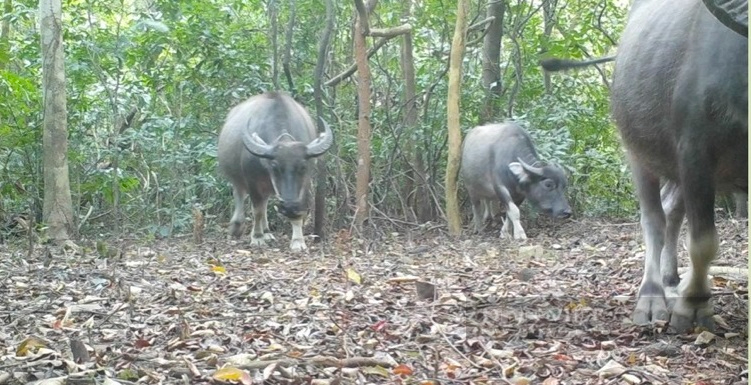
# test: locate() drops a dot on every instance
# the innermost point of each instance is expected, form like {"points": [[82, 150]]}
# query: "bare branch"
{"points": [[391, 32], [480, 24], [338, 78]]}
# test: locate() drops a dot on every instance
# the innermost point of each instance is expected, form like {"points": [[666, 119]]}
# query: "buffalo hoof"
{"points": [[650, 308], [297, 245], [268, 237], [688, 311], [257, 241], [235, 229]]}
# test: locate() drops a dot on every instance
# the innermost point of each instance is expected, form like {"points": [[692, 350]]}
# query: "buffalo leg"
{"points": [[672, 204], [512, 215], [489, 210], [297, 243], [238, 217], [265, 222], [741, 205], [478, 213], [650, 305], [693, 303], [260, 221]]}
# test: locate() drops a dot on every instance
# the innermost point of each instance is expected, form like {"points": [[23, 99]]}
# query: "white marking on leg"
{"points": [[688, 309], [514, 215], [672, 204], [297, 243], [505, 229], [650, 305]]}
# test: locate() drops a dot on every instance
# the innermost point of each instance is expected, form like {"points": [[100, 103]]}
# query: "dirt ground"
{"points": [[411, 307]]}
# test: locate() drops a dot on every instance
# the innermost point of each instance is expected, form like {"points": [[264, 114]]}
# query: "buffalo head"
{"points": [[544, 187], [288, 164]]}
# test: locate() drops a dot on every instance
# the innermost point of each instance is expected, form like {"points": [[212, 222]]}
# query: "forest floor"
{"points": [[553, 309]]}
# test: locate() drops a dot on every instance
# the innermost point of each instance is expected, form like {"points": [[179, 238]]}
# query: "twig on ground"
{"points": [[352, 362]]}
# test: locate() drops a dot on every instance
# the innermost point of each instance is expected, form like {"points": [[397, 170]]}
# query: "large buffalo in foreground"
{"points": [[266, 147], [680, 101], [499, 163]]}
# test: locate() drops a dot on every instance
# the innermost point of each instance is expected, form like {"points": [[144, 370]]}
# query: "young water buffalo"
{"points": [[680, 101], [494, 168], [266, 146]]}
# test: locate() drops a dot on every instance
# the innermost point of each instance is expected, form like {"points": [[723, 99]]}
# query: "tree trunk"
{"points": [[274, 20], [410, 120], [323, 47], [363, 125], [58, 207], [288, 48], [491, 58], [548, 12], [454, 129], [5, 30]]}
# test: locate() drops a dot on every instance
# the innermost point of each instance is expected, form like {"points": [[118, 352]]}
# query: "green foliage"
{"points": [[175, 69]]}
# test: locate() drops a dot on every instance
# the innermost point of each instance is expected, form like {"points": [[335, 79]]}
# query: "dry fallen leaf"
{"points": [[377, 370], [229, 373], [425, 290], [521, 380], [52, 381], [402, 369], [611, 369], [29, 345], [353, 276], [241, 359]]}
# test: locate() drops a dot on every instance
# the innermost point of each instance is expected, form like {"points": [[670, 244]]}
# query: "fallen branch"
{"points": [[725, 271], [325, 361]]}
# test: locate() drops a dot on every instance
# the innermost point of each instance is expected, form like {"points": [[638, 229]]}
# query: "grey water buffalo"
{"points": [[500, 163], [680, 101], [267, 146]]}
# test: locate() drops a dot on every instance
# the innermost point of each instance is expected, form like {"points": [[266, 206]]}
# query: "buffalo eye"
{"points": [[548, 184], [274, 164]]}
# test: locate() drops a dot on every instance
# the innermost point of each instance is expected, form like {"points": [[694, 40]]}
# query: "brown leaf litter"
{"points": [[417, 308]]}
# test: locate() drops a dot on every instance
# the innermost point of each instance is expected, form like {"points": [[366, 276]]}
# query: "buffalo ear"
{"points": [[521, 174]]}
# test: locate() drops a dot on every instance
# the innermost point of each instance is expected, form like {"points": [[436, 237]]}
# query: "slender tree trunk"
{"points": [[288, 48], [323, 47], [363, 126], [274, 20], [548, 12], [410, 120], [5, 29], [452, 111], [58, 206], [491, 58]]}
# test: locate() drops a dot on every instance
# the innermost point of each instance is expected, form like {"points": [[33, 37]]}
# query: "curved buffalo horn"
{"points": [[255, 145], [322, 142], [531, 169]]}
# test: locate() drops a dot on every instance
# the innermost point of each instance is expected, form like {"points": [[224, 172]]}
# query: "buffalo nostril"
{"points": [[291, 209]]}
